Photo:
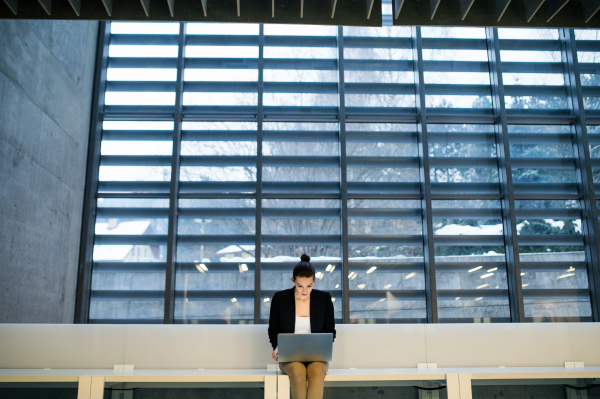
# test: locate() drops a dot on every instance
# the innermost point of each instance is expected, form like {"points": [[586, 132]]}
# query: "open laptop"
{"points": [[305, 347]]}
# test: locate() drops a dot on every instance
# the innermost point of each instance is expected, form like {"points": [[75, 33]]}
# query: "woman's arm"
{"points": [[274, 321], [329, 325]]}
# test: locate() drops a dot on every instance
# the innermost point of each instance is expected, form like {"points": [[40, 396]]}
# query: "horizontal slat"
{"points": [[379, 65], [466, 266], [131, 295], [222, 188], [530, 45], [466, 138], [455, 66], [216, 267], [415, 240], [135, 160], [377, 42], [134, 186], [543, 163], [399, 295], [300, 87], [220, 87], [485, 294], [305, 161], [218, 135], [137, 135], [454, 44], [214, 295], [531, 90], [473, 189], [129, 267], [191, 239], [217, 213], [546, 239], [291, 136], [386, 267], [133, 62], [132, 213], [555, 293], [333, 240], [553, 266], [380, 137], [395, 190], [135, 86], [588, 45], [371, 213], [221, 63], [123, 239], [450, 213], [545, 190], [143, 40], [303, 213], [532, 67], [548, 213], [462, 240], [463, 162], [457, 90], [540, 138], [378, 88], [382, 162], [300, 41], [218, 160], [316, 188], [221, 40]]}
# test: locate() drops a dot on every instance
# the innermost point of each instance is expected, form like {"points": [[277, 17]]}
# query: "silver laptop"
{"points": [[305, 347]]}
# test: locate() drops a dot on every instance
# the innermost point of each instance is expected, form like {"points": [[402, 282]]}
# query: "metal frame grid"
{"points": [[422, 116]]}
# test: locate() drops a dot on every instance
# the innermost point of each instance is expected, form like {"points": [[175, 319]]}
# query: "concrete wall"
{"points": [[46, 77]]}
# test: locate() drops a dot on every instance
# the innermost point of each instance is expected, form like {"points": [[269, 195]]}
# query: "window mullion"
{"points": [[174, 188], [259, 145], [426, 209], [513, 266]]}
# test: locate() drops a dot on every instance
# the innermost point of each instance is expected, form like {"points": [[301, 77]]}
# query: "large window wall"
{"points": [[432, 174]]}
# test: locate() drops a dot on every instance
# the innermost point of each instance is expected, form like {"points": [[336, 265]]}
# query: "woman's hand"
{"points": [[275, 353]]}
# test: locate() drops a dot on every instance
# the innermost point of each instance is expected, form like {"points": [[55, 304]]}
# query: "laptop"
{"points": [[305, 347]]}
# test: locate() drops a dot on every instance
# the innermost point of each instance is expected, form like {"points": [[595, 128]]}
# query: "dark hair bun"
{"points": [[305, 258]]}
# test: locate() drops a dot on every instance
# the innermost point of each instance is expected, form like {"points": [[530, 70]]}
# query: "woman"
{"points": [[302, 310]]}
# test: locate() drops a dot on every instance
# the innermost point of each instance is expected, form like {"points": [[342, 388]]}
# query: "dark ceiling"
{"points": [[510, 13]]}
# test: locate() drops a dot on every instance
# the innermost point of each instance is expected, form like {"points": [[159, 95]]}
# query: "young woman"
{"points": [[302, 310]]}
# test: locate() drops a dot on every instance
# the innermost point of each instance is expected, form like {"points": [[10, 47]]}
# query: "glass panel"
{"points": [[588, 56], [553, 261], [525, 86], [470, 262], [128, 273], [456, 77], [215, 261], [291, 228], [385, 251], [50, 390]]}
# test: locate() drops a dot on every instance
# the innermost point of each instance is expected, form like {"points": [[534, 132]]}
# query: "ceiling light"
{"points": [[233, 299], [475, 268], [487, 275], [410, 275], [372, 269], [266, 300], [328, 268], [565, 275], [493, 269], [479, 299], [387, 286], [482, 286], [361, 286]]}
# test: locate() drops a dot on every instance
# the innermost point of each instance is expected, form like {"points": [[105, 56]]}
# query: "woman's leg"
{"points": [[316, 379], [297, 373]]}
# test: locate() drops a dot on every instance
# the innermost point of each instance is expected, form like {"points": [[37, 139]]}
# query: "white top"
{"points": [[302, 325]]}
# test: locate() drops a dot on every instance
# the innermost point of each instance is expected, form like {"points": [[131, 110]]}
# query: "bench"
{"points": [[234, 355]]}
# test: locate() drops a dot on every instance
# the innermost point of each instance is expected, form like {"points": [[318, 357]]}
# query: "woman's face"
{"points": [[304, 286]]}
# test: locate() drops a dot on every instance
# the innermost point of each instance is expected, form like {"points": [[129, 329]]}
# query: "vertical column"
{"points": [[174, 190], [423, 145], [589, 213], [84, 273], [84, 387], [259, 142], [513, 267], [343, 177]]}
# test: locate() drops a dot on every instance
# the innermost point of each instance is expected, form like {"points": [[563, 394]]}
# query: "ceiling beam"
{"points": [[146, 6], [12, 4], [397, 7], [532, 7], [465, 6], [108, 6], [553, 7], [434, 4], [47, 5], [369, 7], [76, 4], [590, 8], [501, 6]]}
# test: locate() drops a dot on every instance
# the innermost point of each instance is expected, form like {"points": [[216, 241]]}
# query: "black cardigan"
{"points": [[283, 314]]}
